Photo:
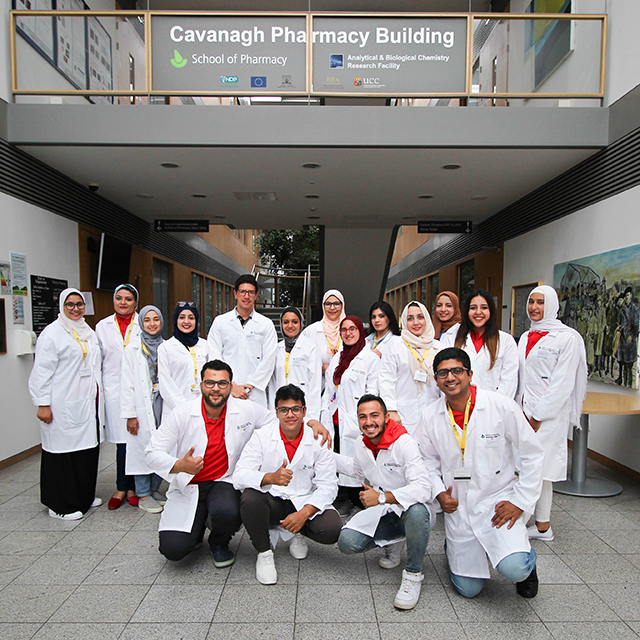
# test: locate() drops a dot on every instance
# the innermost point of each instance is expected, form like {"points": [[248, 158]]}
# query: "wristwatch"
{"points": [[382, 498]]}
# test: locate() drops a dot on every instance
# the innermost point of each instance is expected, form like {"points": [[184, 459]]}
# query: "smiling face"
{"points": [[454, 386], [416, 322], [186, 321], [332, 308], [73, 312], [245, 297], [349, 332], [479, 313], [380, 321], [124, 302], [152, 323], [291, 415], [290, 324], [215, 397], [535, 307], [444, 309], [372, 420]]}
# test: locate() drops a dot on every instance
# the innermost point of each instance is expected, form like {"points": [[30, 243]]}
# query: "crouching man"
{"points": [[288, 483], [395, 499], [471, 440]]}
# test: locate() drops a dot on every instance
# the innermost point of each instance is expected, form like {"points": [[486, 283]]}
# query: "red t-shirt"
{"points": [[478, 340], [291, 446], [390, 435], [458, 416], [216, 458], [123, 322], [533, 339]]}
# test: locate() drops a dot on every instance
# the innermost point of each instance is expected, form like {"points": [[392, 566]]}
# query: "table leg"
{"points": [[580, 485]]}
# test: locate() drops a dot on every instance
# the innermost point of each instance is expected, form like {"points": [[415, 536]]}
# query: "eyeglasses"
{"points": [[283, 411], [246, 292], [348, 330], [211, 384], [189, 305], [332, 305], [457, 371], [73, 305]]}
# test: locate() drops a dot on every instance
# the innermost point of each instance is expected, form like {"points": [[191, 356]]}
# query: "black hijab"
{"points": [[188, 339]]}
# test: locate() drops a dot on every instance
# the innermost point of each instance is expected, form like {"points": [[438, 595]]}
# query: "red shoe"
{"points": [[114, 503], [133, 500]]}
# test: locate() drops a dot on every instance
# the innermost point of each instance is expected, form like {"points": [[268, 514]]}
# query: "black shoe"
{"points": [[222, 556], [528, 588]]}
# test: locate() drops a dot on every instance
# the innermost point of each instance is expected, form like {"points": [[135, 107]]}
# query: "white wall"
{"points": [[605, 226], [50, 243]]}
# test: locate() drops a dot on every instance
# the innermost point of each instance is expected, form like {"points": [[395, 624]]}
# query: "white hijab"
{"points": [[82, 329], [421, 344], [331, 327]]}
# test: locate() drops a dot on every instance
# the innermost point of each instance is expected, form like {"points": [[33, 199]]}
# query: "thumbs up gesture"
{"points": [[189, 464], [448, 504], [281, 477], [368, 496]]}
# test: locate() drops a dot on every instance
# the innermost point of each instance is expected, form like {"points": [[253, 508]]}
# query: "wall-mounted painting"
{"points": [[599, 298]]}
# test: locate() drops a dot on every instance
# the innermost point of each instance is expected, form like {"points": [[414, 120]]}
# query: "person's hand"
{"points": [[133, 426], [320, 430], [395, 416], [281, 477], [188, 464], [238, 391], [448, 504], [377, 352], [369, 496], [295, 521], [535, 424], [44, 414], [505, 512], [324, 368]]}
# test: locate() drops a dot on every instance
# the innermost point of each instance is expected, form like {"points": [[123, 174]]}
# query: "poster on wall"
{"points": [[38, 32], [99, 62], [599, 298], [72, 45], [19, 274], [18, 310], [45, 294], [5, 279]]}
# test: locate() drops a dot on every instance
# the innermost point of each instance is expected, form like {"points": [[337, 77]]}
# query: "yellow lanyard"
{"points": [[333, 351], [155, 366], [83, 345], [462, 442], [286, 365], [376, 341], [415, 353], [127, 333], [192, 351]]}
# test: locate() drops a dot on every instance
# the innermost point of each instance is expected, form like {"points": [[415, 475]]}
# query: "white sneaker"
{"points": [[149, 505], [409, 591], [76, 515], [534, 534], [391, 557], [96, 502], [298, 547], [266, 568]]}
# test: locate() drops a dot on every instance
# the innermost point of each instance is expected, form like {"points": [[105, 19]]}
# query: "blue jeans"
{"points": [[515, 567], [146, 485], [413, 524]]}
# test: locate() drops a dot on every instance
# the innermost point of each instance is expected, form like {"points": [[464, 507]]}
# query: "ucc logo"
{"points": [[229, 79], [357, 82]]}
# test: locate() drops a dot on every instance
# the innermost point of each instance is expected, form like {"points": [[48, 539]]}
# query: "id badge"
{"points": [[85, 372], [462, 474], [420, 375], [195, 390]]}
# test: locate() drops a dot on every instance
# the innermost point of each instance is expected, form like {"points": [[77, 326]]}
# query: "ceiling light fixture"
{"points": [[169, 165], [450, 167], [219, 217], [198, 195], [425, 196], [312, 196], [311, 165], [479, 197], [313, 217], [145, 196]]}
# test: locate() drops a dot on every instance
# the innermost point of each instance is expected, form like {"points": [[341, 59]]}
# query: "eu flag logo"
{"points": [[259, 82]]}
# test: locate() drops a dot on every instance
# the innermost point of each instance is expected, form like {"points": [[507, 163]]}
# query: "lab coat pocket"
{"points": [[78, 412], [489, 448], [254, 346]]}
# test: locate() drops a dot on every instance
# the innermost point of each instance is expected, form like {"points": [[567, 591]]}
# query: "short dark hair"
{"points": [[246, 278], [216, 365], [369, 397], [290, 392], [452, 353]]}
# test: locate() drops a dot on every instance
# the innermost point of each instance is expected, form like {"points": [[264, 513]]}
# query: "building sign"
{"points": [[444, 226], [394, 56], [182, 226], [244, 55]]}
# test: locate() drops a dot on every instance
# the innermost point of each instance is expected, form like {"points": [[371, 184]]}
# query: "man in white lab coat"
{"points": [[395, 499], [246, 340], [288, 483], [471, 439]]}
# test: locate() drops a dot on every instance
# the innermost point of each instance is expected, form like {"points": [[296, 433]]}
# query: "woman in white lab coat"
{"points": [[298, 362], [406, 371], [64, 385], [493, 353], [351, 373], [116, 334], [181, 358], [325, 333], [446, 315], [141, 406], [385, 326], [552, 387]]}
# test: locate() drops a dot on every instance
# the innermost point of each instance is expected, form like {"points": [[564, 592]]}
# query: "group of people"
{"points": [[286, 437]]}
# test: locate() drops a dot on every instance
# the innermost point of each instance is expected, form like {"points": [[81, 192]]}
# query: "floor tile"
{"points": [[591, 631], [104, 520], [422, 630], [332, 568], [194, 569], [334, 603], [12, 566], [603, 569], [624, 599], [336, 631], [28, 603], [178, 603], [246, 631], [257, 603], [165, 631], [59, 570], [44, 522], [495, 603], [18, 630], [571, 603], [554, 569], [79, 631], [507, 631], [573, 542], [597, 521], [126, 569], [87, 543], [138, 543], [29, 542], [621, 541]]}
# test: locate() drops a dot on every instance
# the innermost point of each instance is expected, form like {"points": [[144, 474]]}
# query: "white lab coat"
{"points": [[398, 388], [499, 440], [547, 378], [361, 377], [503, 378], [314, 480], [185, 428], [249, 350], [136, 392], [112, 346], [178, 378], [448, 337], [398, 469], [380, 345], [305, 371], [56, 381], [315, 332]]}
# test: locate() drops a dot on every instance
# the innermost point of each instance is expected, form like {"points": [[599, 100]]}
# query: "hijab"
{"points": [[82, 329], [550, 322], [422, 344], [151, 355], [187, 339], [348, 353], [128, 287], [332, 328], [289, 343], [440, 327]]}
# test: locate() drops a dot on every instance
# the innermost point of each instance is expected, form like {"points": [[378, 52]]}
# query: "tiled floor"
{"points": [[103, 578]]}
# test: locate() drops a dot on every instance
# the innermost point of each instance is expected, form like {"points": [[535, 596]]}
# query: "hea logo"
{"points": [[229, 79]]}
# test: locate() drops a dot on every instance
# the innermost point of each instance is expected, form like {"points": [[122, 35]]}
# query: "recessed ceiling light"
{"points": [[145, 196], [198, 195], [313, 217], [408, 217], [169, 165], [479, 197], [312, 196], [255, 195], [425, 196], [450, 167], [311, 165], [219, 217]]}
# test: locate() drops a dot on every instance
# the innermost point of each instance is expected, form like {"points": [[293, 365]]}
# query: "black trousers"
{"points": [[216, 499], [261, 511]]}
